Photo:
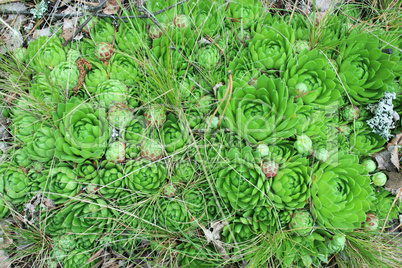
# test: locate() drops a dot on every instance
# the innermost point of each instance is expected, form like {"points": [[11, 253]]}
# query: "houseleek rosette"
{"points": [[20, 157], [116, 152], [24, 127], [43, 145], [133, 135], [65, 76], [60, 183], [79, 258], [124, 69], [171, 59], [110, 181], [242, 184], [244, 68], [383, 206], [264, 113], [244, 13], [172, 215], [311, 69], [265, 219], [206, 16], [119, 116], [103, 31], [289, 189], [271, 47], [46, 53], [340, 193], [95, 77], [87, 170], [175, 134], [364, 70], [208, 57], [111, 92], [144, 176], [90, 215], [195, 203], [241, 228], [83, 131], [197, 253], [15, 184], [129, 39]]}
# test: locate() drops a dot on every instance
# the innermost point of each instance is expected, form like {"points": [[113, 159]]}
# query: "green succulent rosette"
{"points": [[65, 76], [144, 176], [103, 31], [197, 253], [290, 188], [82, 131], [175, 134], [312, 69], [172, 59], [20, 157], [244, 68], [133, 135], [60, 183], [271, 47], [79, 258], [241, 228], [87, 170], [383, 204], [24, 127], [185, 170], [194, 200], [208, 57], [244, 13], [206, 17], [264, 113], [15, 185], [43, 145], [364, 70], [129, 40], [301, 223], [110, 181], [45, 53], [314, 124], [116, 152], [119, 116], [95, 77], [239, 181], [264, 219], [124, 69], [365, 143], [340, 193], [172, 215], [111, 92], [42, 90], [91, 216]]}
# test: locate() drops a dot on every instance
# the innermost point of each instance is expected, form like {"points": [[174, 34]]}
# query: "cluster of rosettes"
{"points": [[151, 144]]}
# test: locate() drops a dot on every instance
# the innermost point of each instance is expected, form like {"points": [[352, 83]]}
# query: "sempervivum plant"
{"points": [[340, 193], [172, 215], [301, 223], [116, 152], [129, 39], [65, 76], [241, 228], [364, 70], [208, 57], [271, 47], [242, 183], [87, 170], [45, 53], [197, 254], [265, 219], [244, 13], [155, 116], [111, 92], [103, 31], [103, 51], [195, 203], [82, 131], [175, 134], [144, 176], [290, 187], [249, 107], [95, 77], [110, 180], [14, 184], [119, 116], [43, 146], [124, 69], [151, 149], [310, 69], [206, 17], [60, 183]]}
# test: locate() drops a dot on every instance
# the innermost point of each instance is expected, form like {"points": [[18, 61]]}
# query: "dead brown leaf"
{"points": [[394, 182], [70, 25], [214, 237], [383, 159], [112, 6], [394, 156]]}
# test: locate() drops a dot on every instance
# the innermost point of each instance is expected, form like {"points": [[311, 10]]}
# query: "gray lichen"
{"points": [[384, 116]]}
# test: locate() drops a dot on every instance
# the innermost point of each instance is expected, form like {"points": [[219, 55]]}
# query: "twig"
{"points": [[79, 29]]}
